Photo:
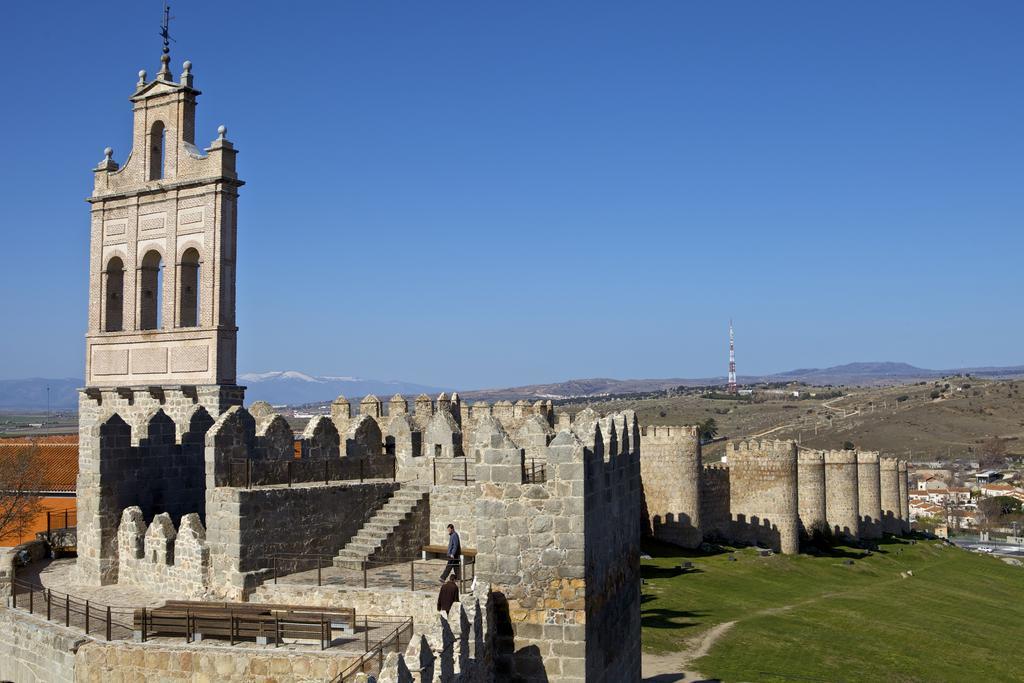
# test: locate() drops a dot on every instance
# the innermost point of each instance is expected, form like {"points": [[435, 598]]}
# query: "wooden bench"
{"points": [[442, 550], [468, 555], [346, 615], [243, 621]]}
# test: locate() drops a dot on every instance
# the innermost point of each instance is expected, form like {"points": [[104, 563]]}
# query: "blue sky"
{"points": [[476, 194]]}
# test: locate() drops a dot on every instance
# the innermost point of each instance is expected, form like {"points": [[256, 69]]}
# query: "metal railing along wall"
{"points": [[61, 519], [534, 472], [246, 472], [372, 661], [421, 574], [458, 467], [111, 622]]}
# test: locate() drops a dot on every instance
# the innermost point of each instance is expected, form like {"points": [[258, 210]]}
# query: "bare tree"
{"points": [[992, 453], [21, 478]]}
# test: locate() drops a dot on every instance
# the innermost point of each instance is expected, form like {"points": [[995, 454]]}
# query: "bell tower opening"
{"points": [[114, 294], [151, 292], [157, 150], [188, 298]]}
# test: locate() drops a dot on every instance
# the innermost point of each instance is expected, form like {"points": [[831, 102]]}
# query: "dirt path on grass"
{"points": [[674, 667]]}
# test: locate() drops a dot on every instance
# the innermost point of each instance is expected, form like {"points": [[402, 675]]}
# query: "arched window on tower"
{"points": [[113, 288], [151, 291], [188, 293], [157, 150]]}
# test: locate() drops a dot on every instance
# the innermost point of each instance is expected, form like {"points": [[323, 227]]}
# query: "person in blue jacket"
{"points": [[454, 551]]}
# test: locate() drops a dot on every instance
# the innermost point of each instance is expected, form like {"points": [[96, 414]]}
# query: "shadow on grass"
{"points": [[835, 552], [658, 549], [660, 617], [652, 572], [674, 678]]}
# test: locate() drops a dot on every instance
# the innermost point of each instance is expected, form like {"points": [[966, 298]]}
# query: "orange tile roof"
{"points": [[59, 461]]}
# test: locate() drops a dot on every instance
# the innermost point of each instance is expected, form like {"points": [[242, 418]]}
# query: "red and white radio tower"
{"points": [[731, 386]]}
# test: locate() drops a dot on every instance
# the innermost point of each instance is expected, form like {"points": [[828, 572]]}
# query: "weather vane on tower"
{"points": [[165, 28], [165, 33]]}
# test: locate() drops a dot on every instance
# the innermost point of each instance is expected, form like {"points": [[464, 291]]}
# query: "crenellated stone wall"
{"points": [[842, 495], [890, 496], [904, 497], [763, 494], [671, 471], [141, 448], [177, 560], [716, 517], [869, 500], [612, 521], [811, 490]]}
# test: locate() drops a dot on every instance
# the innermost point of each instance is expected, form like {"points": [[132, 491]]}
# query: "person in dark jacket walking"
{"points": [[449, 595], [454, 552]]}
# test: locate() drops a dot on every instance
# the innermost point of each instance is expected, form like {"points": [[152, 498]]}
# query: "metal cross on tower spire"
{"points": [[165, 33], [165, 28], [731, 386]]}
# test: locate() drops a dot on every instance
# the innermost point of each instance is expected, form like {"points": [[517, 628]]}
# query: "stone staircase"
{"points": [[396, 531]]}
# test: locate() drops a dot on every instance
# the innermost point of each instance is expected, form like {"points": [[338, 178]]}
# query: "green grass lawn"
{"points": [[960, 617]]}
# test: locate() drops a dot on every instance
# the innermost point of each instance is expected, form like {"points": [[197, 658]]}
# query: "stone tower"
{"points": [[160, 346], [162, 250]]}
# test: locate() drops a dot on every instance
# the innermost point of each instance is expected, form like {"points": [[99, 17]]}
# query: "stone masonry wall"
{"points": [[671, 470], [140, 448], [531, 545], [763, 494], [97, 661], [904, 497], [842, 493], [454, 504], [159, 555], [33, 649], [246, 526], [890, 495], [869, 500], [716, 518], [612, 542], [811, 489], [37, 651], [454, 647]]}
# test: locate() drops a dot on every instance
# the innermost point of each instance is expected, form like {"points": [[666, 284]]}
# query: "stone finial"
{"points": [[222, 141], [108, 163], [186, 74], [142, 78], [165, 69]]}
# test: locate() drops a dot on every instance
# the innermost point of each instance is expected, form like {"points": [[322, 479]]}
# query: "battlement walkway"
{"points": [[404, 574]]}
